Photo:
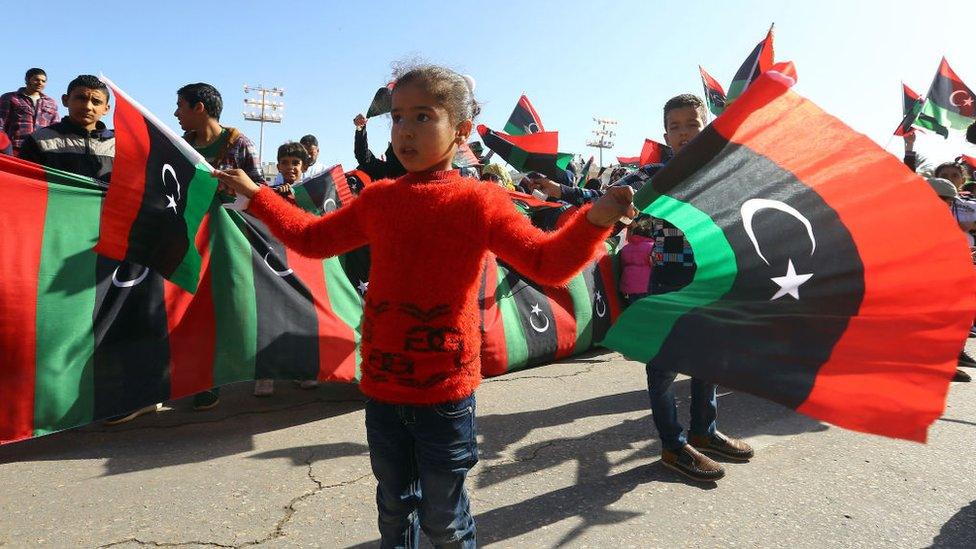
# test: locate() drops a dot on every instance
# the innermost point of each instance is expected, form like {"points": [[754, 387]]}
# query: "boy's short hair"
{"points": [[685, 100], [309, 141], [203, 93], [32, 72], [295, 150], [88, 81]]}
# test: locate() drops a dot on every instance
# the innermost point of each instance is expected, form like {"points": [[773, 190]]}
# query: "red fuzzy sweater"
{"points": [[428, 234]]}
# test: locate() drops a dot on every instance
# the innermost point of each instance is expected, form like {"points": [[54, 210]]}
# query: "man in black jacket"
{"points": [[80, 143], [375, 168]]}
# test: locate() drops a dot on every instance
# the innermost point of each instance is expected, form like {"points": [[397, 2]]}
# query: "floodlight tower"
{"points": [[262, 110], [602, 134]]}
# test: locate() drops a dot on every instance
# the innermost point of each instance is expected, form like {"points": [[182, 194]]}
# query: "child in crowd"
{"points": [[79, 143], [198, 108], [429, 231], [674, 268], [636, 261]]}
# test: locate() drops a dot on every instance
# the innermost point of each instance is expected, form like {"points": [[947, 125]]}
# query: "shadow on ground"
{"points": [[959, 531], [148, 442]]}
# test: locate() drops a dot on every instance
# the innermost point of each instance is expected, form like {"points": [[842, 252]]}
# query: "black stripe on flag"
{"points": [[598, 301], [130, 364], [287, 338]]}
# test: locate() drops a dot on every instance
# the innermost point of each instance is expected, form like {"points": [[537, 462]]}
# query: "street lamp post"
{"points": [[262, 110], [602, 136]]}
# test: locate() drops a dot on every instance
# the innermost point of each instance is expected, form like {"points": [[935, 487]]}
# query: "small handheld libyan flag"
{"points": [[161, 188]]}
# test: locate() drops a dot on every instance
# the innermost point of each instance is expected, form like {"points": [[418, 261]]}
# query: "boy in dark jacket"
{"points": [[80, 143]]}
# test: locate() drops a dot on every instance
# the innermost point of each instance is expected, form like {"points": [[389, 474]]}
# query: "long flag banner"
{"points": [[86, 337], [949, 103], [524, 120], [799, 284], [760, 60], [160, 190], [532, 152], [714, 94]]}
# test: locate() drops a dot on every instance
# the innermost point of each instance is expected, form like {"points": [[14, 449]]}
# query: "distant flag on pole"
{"points": [[714, 94], [759, 61], [524, 120]]}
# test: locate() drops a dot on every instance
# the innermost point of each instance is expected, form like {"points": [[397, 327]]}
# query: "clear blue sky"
{"points": [[574, 59]]}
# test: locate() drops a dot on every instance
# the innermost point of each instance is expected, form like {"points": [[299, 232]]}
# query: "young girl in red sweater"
{"points": [[429, 231]]}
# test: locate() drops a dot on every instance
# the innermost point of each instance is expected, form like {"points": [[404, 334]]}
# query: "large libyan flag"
{"points": [[801, 295], [161, 188]]}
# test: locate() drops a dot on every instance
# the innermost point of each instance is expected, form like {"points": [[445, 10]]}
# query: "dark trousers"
{"points": [[660, 381], [420, 456]]}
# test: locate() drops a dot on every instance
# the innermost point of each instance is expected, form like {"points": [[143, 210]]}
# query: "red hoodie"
{"points": [[428, 234]]}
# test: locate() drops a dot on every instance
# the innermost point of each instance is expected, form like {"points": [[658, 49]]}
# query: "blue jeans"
{"points": [[704, 407], [420, 456]]}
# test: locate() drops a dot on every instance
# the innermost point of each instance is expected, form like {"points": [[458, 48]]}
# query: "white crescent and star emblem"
{"points": [[282, 274], [789, 283], [128, 283], [362, 287], [533, 127], [536, 310], [965, 103], [170, 198], [325, 205], [597, 305]]}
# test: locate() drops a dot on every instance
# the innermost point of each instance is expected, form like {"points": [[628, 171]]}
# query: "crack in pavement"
{"points": [[587, 370], [222, 418], [279, 529]]}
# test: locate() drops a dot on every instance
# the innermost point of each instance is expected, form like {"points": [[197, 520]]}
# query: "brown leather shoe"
{"points": [[727, 447], [692, 464]]}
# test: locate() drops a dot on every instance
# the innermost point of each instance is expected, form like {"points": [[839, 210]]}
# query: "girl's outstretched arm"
{"points": [[550, 258], [312, 236]]}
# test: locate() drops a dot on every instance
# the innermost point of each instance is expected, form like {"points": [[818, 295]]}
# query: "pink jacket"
{"points": [[635, 257]]}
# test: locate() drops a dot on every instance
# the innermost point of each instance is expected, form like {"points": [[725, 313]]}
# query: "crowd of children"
{"points": [[420, 419]]}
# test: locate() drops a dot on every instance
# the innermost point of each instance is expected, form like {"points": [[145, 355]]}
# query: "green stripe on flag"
{"points": [[202, 188], [515, 345], [945, 117], [304, 200], [582, 311], [644, 326], [64, 381], [344, 300], [235, 304]]}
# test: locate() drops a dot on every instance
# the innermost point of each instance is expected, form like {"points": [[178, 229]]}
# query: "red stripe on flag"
{"points": [[192, 327], [124, 197], [605, 264], [25, 204], [341, 184], [561, 304], [494, 351], [871, 378], [337, 342]]}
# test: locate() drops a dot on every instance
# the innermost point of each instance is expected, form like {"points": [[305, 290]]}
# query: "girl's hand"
{"points": [[617, 203], [237, 182], [283, 190]]}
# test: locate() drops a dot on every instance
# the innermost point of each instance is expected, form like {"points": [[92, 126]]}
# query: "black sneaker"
{"points": [[727, 447], [961, 376], [966, 360], [205, 400], [692, 464]]}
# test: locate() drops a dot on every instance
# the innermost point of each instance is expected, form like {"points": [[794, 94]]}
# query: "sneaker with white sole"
{"points": [[125, 418]]}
